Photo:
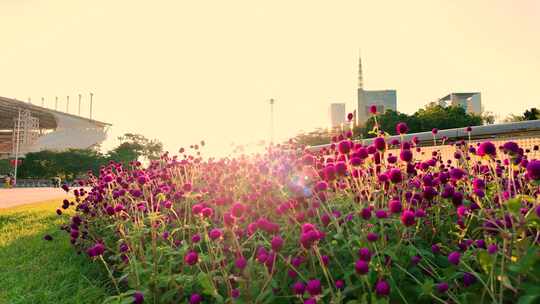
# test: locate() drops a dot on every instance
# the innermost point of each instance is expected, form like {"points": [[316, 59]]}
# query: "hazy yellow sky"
{"points": [[182, 71]]}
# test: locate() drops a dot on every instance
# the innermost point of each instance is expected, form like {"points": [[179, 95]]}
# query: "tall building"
{"points": [[336, 111], [382, 99], [471, 102]]}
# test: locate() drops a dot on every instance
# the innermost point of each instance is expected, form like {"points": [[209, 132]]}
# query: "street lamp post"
{"points": [[17, 149], [272, 101]]}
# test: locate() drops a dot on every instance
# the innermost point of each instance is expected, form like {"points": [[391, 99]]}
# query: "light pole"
{"points": [[272, 101], [17, 149], [80, 96], [91, 96]]}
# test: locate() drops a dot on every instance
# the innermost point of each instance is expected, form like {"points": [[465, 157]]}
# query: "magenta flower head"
{"points": [[406, 155], [195, 298], [238, 209], [138, 297], [407, 218], [402, 128], [533, 169], [492, 248], [191, 258], [299, 288], [379, 143], [361, 267], [344, 147], [314, 287], [394, 206], [350, 116], [277, 243], [240, 263], [442, 287], [468, 279], [382, 288], [395, 176], [372, 237], [454, 257], [434, 131], [364, 254], [215, 234], [487, 149], [340, 284], [373, 109]]}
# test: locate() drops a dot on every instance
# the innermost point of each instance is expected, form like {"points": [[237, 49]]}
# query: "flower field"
{"points": [[347, 224]]}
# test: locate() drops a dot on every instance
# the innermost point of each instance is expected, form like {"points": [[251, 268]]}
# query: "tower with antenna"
{"points": [[382, 99]]}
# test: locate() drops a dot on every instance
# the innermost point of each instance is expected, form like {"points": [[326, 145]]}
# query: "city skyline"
{"points": [[158, 77]]}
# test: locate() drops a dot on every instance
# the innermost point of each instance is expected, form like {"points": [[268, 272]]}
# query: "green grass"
{"points": [[33, 270]]}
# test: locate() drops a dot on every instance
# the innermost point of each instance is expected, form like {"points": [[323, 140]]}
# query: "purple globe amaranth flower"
{"points": [[277, 243], [382, 288], [457, 173], [402, 128], [240, 263], [537, 210], [372, 237], [344, 147], [314, 287], [408, 218], [435, 248], [395, 176], [434, 131], [191, 258], [340, 284], [361, 267], [406, 155], [195, 298], [138, 297], [215, 234], [468, 279], [394, 206], [492, 248], [366, 213], [310, 301], [442, 287], [299, 288], [379, 143], [364, 254], [487, 148], [381, 214], [454, 257], [533, 169], [373, 109]]}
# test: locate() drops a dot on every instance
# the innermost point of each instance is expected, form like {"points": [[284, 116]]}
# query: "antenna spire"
{"points": [[360, 77]]}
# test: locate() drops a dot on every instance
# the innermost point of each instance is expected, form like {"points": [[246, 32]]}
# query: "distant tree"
{"points": [[488, 117], [68, 164], [133, 146], [425, 119], [317, 137], [513, 118], [531, 114]]}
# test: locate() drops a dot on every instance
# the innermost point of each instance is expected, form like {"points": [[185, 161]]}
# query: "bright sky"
{"points": [[182, 71]]}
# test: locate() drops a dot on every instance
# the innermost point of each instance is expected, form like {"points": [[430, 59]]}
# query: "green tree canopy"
{"points": [[133, 146]]}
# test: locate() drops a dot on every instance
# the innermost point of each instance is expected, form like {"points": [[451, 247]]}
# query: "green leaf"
{"points": [[485, 260], [514, 205], [427, 287]]}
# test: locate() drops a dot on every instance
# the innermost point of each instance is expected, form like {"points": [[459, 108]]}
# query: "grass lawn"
{"points": [[33, 270]]}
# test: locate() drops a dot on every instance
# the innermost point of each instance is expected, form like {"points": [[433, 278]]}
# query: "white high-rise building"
{"points": [[336, 111], [382, 99], [471, 102]]}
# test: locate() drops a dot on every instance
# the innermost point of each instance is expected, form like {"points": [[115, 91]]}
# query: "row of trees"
{"points": [[73, 163], [431, 116]]}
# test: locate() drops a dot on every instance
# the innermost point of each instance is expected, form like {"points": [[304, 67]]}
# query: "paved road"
{"points": [[20, 196]]}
